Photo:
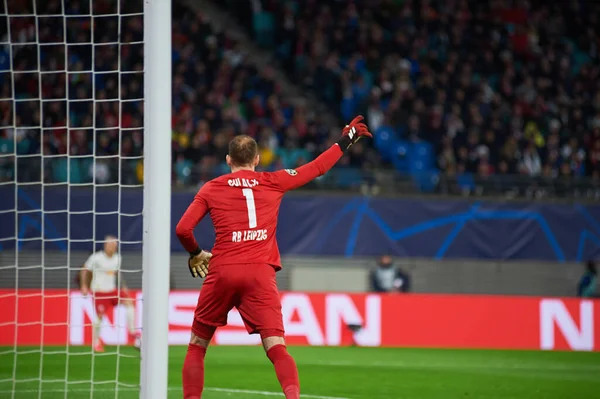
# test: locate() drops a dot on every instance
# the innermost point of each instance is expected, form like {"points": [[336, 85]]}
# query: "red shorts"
{"points": [[104, 301], [252, 289]]}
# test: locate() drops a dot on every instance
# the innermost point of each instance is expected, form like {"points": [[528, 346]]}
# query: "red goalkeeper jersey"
{"points": [[244, 207]]}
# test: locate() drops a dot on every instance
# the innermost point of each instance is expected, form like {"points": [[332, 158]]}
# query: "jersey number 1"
{"points": [[251, 207]]}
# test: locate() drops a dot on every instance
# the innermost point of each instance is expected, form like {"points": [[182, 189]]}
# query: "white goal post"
{"points": [[85, 119], [157, 198]]}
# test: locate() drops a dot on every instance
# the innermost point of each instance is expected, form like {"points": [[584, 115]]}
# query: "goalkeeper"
{"points": [[103, 268], [244, 206]]}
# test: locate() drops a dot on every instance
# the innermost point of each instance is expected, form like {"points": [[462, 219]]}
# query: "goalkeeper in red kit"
{"points": [[240, 271]]}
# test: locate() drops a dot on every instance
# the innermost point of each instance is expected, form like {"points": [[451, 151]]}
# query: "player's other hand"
{"points": [[355, 131], [85, 291], [198, 264]]}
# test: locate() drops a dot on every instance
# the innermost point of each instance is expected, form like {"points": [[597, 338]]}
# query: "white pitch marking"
{"points": [[267, 393]]}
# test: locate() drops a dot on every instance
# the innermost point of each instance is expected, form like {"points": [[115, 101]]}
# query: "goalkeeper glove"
{"points": [[353, 132], [198, 263]]}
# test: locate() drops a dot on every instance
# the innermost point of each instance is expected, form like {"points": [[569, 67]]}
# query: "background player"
{"points": [[244, 206], [103, 269]]}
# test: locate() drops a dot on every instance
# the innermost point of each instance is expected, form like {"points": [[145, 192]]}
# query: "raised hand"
{"points": [[355, 131]]}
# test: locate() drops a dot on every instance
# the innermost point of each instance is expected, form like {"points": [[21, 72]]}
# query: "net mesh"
{"points": [[71, 140]]}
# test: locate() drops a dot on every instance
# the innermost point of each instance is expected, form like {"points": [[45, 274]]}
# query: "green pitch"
{"points": [[354, 373]]}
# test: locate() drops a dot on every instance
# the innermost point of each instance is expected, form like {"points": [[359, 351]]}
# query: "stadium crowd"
{"points": [[496, 86], [65, 96], [217, 94], [488, 87]]}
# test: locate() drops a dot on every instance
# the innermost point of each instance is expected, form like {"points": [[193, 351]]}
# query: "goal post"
{"points": [[85, 154], [157, 198]]}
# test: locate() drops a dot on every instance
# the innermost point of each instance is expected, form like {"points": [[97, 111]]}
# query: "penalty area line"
{"points": [[131, 389]]}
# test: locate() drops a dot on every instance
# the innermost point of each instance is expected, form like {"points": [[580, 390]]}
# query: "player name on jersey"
{"points": [[249, 235], [239, 182]]}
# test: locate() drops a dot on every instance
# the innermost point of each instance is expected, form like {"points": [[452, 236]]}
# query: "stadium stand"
{"points": [[217, 94], [496, 91], [468, 87], [86, 76]]}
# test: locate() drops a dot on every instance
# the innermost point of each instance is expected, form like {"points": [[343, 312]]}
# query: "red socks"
{"points": [[285, 368], [193, 372]]}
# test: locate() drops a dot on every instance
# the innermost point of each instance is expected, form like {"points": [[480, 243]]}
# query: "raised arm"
{"points": [[290, 179]]}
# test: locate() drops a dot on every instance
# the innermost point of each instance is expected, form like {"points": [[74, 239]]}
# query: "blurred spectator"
{"points": [[465, 88], [217, 94], [498, 83], [388, 278], [531, 163], [101, 118], [587, 286]]}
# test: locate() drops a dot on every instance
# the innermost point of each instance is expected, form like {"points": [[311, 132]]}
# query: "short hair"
{"points": [[110, 237], [591, 266], [242, 150]]}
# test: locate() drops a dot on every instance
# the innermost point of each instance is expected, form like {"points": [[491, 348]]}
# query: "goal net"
{"points": [[71, 174]]}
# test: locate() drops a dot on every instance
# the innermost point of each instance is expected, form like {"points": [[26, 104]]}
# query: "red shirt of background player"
{"points": [[244, 207]]}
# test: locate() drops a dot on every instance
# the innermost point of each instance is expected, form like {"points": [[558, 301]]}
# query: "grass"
{"points": [[355, 373]]}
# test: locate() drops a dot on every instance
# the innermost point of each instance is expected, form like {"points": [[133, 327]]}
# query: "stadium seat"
{"points": [[465, 181], [385, 139], [420, 157], [426, 181], [401, 150]]}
